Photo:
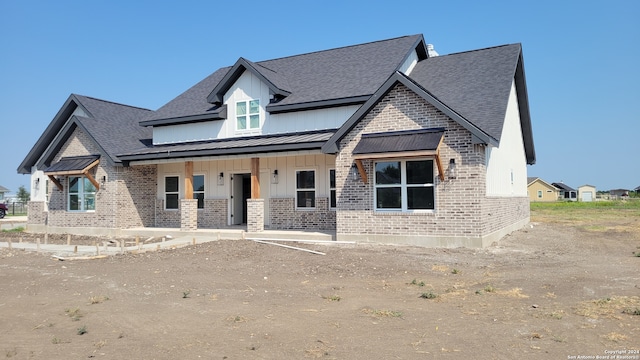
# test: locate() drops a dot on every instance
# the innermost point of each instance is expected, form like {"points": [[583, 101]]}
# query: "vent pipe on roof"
{"points": [[431, 51]]}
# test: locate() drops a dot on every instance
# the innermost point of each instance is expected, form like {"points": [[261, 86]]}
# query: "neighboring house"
{"points": [[381, 142], [637, 190], [566, 192], [587, 193], [540, 190], [619, 193], [3, 191]]}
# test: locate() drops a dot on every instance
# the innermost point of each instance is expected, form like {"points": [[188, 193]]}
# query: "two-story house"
{"points": [[380, 142]]}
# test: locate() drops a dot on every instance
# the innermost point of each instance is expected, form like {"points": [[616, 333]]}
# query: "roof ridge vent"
{"points": [[431, 51]]}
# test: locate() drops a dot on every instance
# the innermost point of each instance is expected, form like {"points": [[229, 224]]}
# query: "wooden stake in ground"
{"points": [[68, 239]]}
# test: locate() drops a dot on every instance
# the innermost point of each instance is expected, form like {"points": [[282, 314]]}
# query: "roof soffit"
{"points": [[264, 74]]}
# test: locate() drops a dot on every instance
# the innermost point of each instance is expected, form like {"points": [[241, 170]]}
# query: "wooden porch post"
{"points": [[255, 178], [188, 180]]}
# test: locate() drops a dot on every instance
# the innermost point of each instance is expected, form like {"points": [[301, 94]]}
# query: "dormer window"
{"points": [[248, 115]]}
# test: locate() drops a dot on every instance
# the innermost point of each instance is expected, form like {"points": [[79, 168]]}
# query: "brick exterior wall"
{"points": [[214, 215], [125, 200], [460, 204], [35, 213], [255, 215], [166, 218], [285, 216]]}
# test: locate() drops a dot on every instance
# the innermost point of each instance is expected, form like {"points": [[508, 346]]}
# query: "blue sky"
{"points": [[581, 62]]}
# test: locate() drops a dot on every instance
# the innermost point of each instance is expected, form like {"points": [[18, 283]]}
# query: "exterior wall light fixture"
{"points": [[274, 177], [221, 179]]}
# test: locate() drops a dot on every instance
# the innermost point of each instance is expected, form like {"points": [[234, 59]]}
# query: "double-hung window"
{"points": [[248, 115], [305, 189], [198, 190], [82, 194], [171, 192], [404, 185]]}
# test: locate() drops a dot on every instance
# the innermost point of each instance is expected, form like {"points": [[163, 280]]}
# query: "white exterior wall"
{"points": [[319, 119], [249, 87], [507, 164]]}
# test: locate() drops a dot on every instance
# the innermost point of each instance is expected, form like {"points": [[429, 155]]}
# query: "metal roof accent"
{"points": [[73, 165], [399, 141], [233, 146]]}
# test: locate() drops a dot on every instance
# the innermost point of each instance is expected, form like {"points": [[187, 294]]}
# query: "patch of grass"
{"points": [[74, 313], [609, 307], [455, 271], [185, 294], [14, 230], [55, 340], [557, 314], [615, 337], [82, 330], [11, 353], [429, 295], [630, 311], [636, 254], [489, 289], [237, 319], [332, 298], [98, 299], [415, 282]]}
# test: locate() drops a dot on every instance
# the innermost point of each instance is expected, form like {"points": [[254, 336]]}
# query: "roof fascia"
{"points": [[219, 114], [63, 135], [544, 182], [523, 106], [220, 152], [50, 133], [217, 94], [322, 104], [331, 147]]}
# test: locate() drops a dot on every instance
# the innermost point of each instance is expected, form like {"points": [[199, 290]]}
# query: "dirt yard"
{"points": [[559, 289]]}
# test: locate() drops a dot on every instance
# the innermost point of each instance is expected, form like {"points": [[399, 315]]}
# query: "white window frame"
{"points": [[314, 189], [332, 189], [403, 187], [83, 196], [248, 115], [165, 192], [203, 192]]}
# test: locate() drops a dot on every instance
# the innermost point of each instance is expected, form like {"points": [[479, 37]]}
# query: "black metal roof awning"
{"points": [[74, 165], [409, 143]]}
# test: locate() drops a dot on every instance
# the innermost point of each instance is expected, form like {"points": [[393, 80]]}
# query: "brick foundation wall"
{"points": [[285, 216]]}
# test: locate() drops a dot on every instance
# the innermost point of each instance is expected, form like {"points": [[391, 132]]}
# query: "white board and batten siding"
{"points": [[286, 166], [506, 164], [249, 87]]}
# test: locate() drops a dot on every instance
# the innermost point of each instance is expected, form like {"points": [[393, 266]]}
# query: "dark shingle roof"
{"points": [[475, 84], [562, 186], [347, 72]]}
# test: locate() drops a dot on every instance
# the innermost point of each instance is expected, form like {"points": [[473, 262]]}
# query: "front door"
{"points": [[240, 192]]}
